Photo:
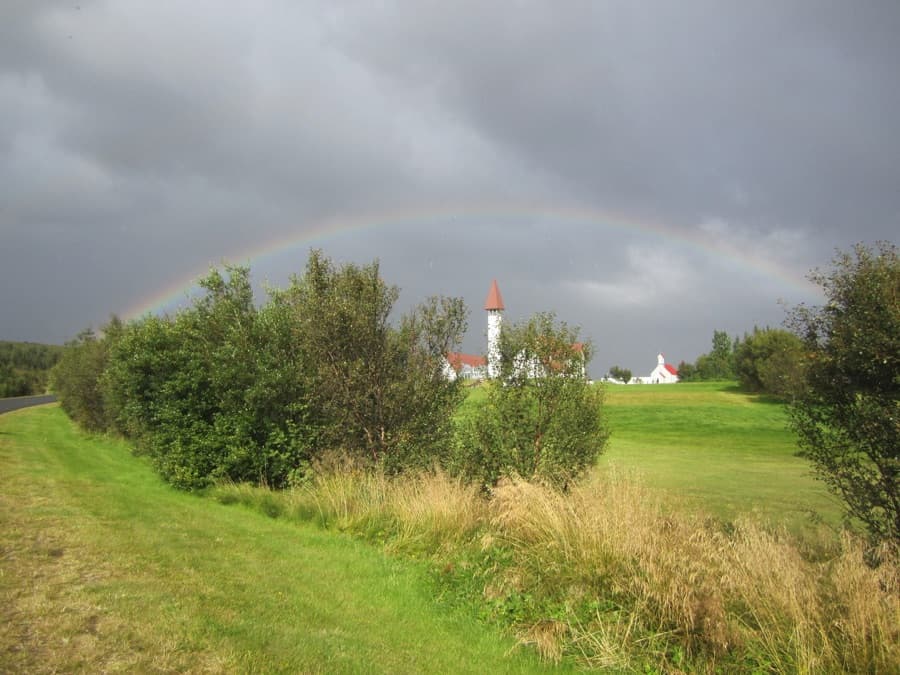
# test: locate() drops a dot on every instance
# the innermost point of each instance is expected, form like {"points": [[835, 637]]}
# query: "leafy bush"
{"points": [[216, 391], [848, 417], [227, 390], [541, 419], [379, 388], [771, 361], [24, 367], [76, 378]]}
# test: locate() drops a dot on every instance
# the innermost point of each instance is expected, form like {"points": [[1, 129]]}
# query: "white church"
{"points": [[476, 367], [664, 373]]}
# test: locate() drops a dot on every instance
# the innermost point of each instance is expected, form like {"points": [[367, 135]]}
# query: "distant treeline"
{"points": [[24, 367], [768, 360]]}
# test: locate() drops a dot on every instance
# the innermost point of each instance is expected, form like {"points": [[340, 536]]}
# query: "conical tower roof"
{"points": [[494, 299]]}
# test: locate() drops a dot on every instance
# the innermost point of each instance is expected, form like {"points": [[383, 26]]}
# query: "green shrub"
{"points": [[224, 390], [379, 388], [215, 392], [848, 417], [77, 377], [771, 361], [541, 419]]}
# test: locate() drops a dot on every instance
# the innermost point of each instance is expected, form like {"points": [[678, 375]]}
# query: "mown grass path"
{"points": [[105, 568]]}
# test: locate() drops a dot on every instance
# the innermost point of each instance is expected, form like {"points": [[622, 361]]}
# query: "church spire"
{"points": [[494, 307], [494, 301]]}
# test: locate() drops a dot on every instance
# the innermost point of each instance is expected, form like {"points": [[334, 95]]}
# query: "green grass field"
{"points": [[713, 447], [718, 448], [105, 568]]}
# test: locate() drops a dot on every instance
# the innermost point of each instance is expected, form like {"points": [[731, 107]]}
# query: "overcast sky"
{"points": [[650, 171]]}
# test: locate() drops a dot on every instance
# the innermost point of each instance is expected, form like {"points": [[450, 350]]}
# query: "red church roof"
{"points": [[458, 360], [671, 369], [494, 299]]}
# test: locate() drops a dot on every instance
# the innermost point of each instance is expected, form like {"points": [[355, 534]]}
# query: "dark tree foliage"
{"points": [[542, 419], [771, 361], [215, 392], [718, 364], [76, 378], [228, 390], [687, 372], [848, 417], [623, 374], [25, 367], [380, 388]]}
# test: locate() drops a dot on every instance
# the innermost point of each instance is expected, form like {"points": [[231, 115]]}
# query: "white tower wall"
{"points": [[495, 319]]}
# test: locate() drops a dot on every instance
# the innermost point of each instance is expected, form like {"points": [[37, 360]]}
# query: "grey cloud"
{"points": [[674, 103], [141, 142]]}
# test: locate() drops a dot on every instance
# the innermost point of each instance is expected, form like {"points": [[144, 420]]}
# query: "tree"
{"points": [[24, 367], [77, 377], [622, 374], [771, 361], [12, 383], [718, 364], [226, 390], [380, 388], [541, 419], [218, 391], [687, 372], [848, 416]]}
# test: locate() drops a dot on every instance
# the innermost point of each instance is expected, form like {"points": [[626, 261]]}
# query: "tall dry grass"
{"points": [[610, 575], [429, 512]]}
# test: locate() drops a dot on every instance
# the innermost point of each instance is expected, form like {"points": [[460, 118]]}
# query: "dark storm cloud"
{"points": [[141, 142], [754, 110]]}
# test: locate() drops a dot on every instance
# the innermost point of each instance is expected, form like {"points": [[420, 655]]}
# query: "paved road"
{"points": [[7, 404]]}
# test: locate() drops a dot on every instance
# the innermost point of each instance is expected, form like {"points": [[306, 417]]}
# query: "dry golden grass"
{"points": [[428, 512], [613, 541], [632, 581], [437, 511]]}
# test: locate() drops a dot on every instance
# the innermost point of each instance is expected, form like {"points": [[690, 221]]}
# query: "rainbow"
{"points": [[317, 232]]}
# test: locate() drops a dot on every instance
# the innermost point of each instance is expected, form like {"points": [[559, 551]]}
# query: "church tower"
{"points": [[494, 306]]}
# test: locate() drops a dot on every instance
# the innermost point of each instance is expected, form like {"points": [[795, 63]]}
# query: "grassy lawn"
{"points": [[717, 447], [714, 447], [105, 568]]}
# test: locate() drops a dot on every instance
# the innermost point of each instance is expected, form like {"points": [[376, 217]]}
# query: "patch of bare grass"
{"points": [[52, 617]]}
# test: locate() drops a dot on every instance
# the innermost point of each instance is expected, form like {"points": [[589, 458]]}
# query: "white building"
{"points": [[493, 305], [664, 373], [466, 366], [476, 367]]}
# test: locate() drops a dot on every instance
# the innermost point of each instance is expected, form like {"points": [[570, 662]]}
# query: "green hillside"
{"points": [[105, 568], [721, 450], [724, 450]]}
